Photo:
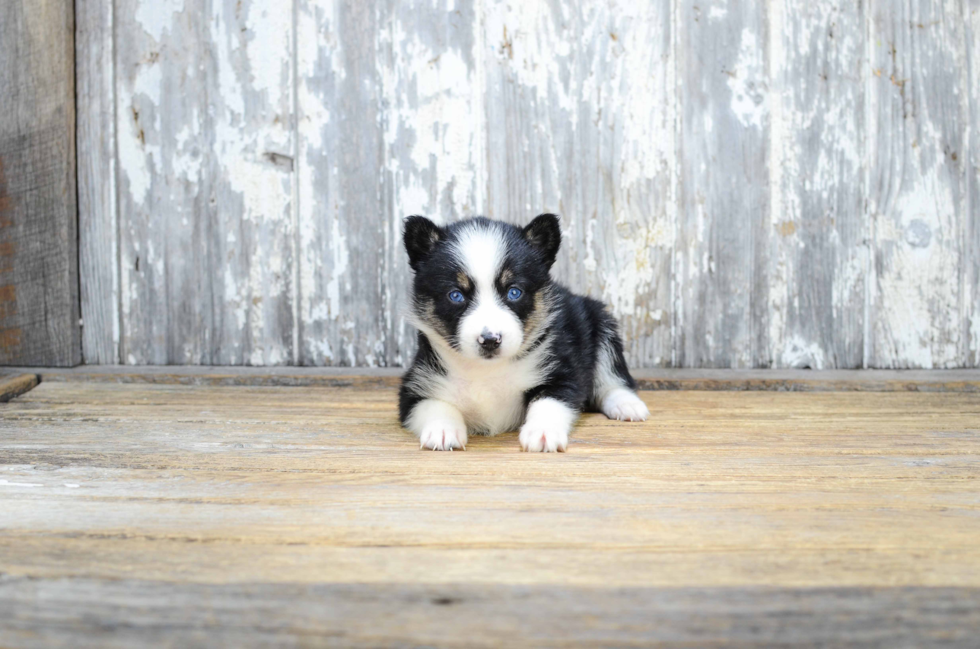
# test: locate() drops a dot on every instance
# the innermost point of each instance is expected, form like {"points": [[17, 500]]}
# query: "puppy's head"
{"points": [[481, 285]]}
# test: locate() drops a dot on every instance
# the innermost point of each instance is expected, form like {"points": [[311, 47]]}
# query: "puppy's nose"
{"points": [[488, 341]]}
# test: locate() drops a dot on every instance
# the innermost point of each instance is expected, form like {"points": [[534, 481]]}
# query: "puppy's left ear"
{"points": [[544, 233]]}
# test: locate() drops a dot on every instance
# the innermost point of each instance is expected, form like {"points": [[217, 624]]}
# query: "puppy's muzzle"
{"points": [[489, 342]]}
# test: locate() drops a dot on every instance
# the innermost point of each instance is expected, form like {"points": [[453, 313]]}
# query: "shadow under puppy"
{"points": [[501, 345]]}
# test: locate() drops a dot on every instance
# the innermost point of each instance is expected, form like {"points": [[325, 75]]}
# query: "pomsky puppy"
{"points": [[502, 346]]}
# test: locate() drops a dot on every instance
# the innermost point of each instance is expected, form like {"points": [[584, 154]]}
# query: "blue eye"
{"points": [[514, 293], [455, 296]]}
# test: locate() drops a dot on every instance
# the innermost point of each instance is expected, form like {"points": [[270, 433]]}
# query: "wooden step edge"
{"points": [[647, 379], [814, 384]]}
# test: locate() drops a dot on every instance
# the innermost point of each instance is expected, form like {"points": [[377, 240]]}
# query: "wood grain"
{"points": [[917, 196], [252, 238], [98, 236], [15, 385], [723, 219], [77, 612], [205, 138], [970, 271], [157, 507], [818, 231], [581, 124], [166, 198], [39, 308], [649, 379], [432, 74], [342, 227], [751, 186]]}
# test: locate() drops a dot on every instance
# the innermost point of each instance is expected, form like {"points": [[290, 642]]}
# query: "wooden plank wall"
{"points": [[779, 184], [39, 308]]}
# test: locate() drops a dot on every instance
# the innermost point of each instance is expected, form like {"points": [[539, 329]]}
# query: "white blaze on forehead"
{"points": [[481, 252]]}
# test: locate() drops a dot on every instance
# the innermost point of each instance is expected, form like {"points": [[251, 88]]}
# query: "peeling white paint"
{"points": [[784, 206], [138, 155], [918, 197], [647, 140], [921, 278], [800, 353], [156, 16], [188, 161], [269, 50], [338, 243], [524, 37], [135, 161], [591, 107], [251, 127], [433, 118], [748, 84], [634, 271]]}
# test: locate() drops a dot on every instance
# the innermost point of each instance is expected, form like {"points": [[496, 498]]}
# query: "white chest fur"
{"points": [[490, 394]]}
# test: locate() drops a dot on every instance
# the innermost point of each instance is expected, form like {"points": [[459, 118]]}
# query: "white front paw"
{"points": [[538, 437], [624, 405], [547, 425], [443, 435]]}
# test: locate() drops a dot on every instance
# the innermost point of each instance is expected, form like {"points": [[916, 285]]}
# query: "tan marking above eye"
{"points": [[427, 314], [506, 276], [463, 281]]}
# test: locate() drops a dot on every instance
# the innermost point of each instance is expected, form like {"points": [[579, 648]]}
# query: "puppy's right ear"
{"points": [[421, 236]]}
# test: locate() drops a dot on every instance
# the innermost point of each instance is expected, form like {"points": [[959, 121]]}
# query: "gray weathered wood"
{"points": [[745, 185], [39, 309], [971, 258], [775, 380], [252, 241], [204, 127], [432, 76], [581, 123], [200, 515], [341, 224], [723, 221], [165, 200], [818, 231], [91, 612], [917, 198], [98, 249]]}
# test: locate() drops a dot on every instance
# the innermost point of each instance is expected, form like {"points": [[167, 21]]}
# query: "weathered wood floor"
{"points": [[187, 515]]}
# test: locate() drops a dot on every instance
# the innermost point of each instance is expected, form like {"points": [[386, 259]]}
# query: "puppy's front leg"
{"points": [[547, 425], [438, 424]]}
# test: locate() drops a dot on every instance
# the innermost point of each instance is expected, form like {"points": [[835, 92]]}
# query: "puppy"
{"points": [[502, 346]]}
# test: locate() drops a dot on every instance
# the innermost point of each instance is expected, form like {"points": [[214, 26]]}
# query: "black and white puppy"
{"points": [[500, 344]]}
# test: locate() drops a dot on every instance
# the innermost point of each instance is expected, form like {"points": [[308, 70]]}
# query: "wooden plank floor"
{"points": [[186, 515]]}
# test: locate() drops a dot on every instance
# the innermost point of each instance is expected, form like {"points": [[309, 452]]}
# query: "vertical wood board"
{"points": [[971, 258], [723, 219], [580, 122], [817, 227], [341, 224], [917, 198], [205, 127], [39, 309], [98, 243], [432, 64], [745, 185]]}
